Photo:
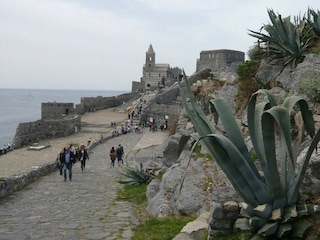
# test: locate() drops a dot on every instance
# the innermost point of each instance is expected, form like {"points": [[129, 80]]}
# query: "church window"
{"points": [[149, 64]]}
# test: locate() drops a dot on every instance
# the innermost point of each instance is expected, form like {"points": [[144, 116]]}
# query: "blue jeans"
{"points": [[69, 167]]}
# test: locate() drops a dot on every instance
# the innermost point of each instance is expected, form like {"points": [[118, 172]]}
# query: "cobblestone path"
{"points": [[84, 208]]}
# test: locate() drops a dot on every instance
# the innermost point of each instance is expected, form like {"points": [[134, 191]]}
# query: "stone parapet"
{"points": [[17, 182]]}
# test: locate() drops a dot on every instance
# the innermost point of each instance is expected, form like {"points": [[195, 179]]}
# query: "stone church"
{"points": [[157, 75]]}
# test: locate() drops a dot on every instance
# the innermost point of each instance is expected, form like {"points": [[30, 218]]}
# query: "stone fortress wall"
{"points": [[219, 59]]}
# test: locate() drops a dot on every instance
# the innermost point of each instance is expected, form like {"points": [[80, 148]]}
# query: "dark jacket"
{"points": [[85, 155], [72, 158]]}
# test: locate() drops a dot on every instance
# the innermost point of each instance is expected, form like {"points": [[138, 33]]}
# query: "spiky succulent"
{"points": [[271, 202], [135, 176], [284, 39]]}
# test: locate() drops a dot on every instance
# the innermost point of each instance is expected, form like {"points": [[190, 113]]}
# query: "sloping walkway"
{"points": [[84, 208]]}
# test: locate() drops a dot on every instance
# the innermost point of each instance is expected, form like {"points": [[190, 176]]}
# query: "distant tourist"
{"points": [[83, 156], [68, 159], [113, 156], [120, 153], [101, 138], [60, 160]]}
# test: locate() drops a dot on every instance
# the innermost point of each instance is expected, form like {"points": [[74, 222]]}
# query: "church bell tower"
{"points": [[150, 59]]}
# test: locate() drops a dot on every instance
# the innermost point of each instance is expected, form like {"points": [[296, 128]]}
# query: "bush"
{"points": [[247, 83], [310, 85]]}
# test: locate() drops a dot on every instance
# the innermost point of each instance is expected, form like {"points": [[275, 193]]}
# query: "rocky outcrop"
{"points": [[284, 82]]}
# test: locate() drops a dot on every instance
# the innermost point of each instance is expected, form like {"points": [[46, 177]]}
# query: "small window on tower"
{"points": [[149, 64], [150, 59]]}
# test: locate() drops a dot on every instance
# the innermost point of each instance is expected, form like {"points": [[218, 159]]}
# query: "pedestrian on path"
{"points": [[113, 156], [120, 153], [68, 160], [83, 156], [60, 160]]}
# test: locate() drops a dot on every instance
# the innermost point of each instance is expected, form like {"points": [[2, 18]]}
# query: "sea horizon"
{"points": [[20, 105]]}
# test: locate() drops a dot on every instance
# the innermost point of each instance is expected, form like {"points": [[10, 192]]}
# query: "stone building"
{"points": [[157, 75], [57, 120], [217, 60], [56, 110]]}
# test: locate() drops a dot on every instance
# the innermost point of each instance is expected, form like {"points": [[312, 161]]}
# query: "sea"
{"points": [[24, 105]]}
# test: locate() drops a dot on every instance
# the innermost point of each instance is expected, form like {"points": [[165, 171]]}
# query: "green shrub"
{"points": [[255, 53], [310, 85], [247, 83]]}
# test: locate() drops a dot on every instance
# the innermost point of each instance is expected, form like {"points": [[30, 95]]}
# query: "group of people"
{"points": [[7, 147], [117, 154], [69, 156]]}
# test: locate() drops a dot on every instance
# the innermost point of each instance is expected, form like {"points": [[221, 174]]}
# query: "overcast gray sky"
{"points": [[101, 44]]}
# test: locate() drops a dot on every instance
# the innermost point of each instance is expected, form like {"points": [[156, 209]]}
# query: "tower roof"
{"points": [[150, 50]]}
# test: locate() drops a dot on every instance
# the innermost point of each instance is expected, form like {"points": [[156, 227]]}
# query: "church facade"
{"points": [[157, 75]]}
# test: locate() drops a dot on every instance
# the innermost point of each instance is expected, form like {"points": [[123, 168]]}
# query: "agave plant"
{"points": [[315, 21], [284, 39], [271, 202], [135, 176]]}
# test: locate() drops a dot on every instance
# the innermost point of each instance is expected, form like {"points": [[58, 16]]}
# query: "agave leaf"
{"points": [[268, 229], [299, 227], [307, 117], [263, 211], [306, 114], [257, 222], [290, 213], [135, 176], [129, 180], [196, 137], [257, 237], [255, 112], [293, 192], [302, 209], [238, 171], [232, 130], [283, 230], [182, 143], [281, 116]]}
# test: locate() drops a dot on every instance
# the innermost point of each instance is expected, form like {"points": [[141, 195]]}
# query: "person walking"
{"points": [[60, 160], [83, 156], [113, 156], [68, 159], [120, 153]]}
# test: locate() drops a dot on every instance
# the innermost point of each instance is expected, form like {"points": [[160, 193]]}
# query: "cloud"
{"points": [[93, 44]]}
